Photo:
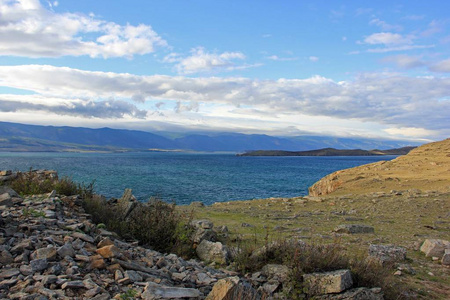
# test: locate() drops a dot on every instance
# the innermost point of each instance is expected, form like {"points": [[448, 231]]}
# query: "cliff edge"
{"points": [[424, 168]]}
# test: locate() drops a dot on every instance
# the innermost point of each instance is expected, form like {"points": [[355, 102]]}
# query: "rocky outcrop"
{"points": [[431, 161], [387, 253], [49, 248], [328, 282], [213, 252], [436, 248]]}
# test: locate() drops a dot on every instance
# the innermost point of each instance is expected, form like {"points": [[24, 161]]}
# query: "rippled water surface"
{"points": [[186, 177]]}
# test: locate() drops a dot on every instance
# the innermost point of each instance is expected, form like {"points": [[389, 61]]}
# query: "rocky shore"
{"points": [[50, 249]]}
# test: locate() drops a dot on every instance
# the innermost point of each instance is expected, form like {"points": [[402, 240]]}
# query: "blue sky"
{"points": [[346, 68]]}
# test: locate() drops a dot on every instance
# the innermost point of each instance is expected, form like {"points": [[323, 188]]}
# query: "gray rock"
{"points": [[66, 250], [6, 200], [38, 265], [48, 253], [232, 288], [8, 273], [76, 284], [213, 252], [361, 293], [280, 272], [83, 237], [153, 290], [354, 229], [328, 282], [387, 253], [133, 276], [126, 203], [434, 247], [6, 257], [446, 258], [205, 224]]}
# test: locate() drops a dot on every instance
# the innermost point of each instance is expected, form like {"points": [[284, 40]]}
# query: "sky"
{"points": [[377, 69]]}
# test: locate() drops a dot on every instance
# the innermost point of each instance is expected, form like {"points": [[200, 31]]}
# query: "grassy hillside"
{"points": [[425, 168]]}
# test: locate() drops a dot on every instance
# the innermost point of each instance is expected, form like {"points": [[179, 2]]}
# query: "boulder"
{"points": [[360, 293], [6, 200], [446, 257], [387, 253], [48, 253], [328, 282], [203, 231], [126, 203], [213, 252], [434, 247], [354, 229], [232, 288], [156, 291], [109, 251], [280, 272]]}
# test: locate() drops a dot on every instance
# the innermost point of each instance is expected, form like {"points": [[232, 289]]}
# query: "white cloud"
{"points": [[385, 26], [384, 99], [278, 58], [28, 29], [105, 109], [405, 61], [399, 48], [410, 132], [202, 61], [313, 58], [388, 38], [441, 67]]}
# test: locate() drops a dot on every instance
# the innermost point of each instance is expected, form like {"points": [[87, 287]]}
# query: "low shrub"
{"points": [[32, 182], [156, 224], [302, 258]]}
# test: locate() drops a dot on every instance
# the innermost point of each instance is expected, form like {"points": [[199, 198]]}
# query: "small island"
{"points": [[329, 152]]}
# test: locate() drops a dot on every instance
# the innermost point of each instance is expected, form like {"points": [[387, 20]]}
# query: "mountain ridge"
{"points": [[23, 137]]}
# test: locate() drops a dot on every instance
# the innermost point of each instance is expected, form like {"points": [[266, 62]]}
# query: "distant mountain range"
{"points": [[329, 152], [21, 137]]}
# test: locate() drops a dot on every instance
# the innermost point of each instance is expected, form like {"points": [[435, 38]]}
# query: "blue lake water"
{"points": [[187, 177]]}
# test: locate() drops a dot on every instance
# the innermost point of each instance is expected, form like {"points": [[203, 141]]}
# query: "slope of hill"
{"points": [[425, 168], [329, 152], [21, 137]]}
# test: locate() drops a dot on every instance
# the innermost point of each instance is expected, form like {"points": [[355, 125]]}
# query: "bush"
{"points": [[32, 182], [304, 258], [156, 224]]}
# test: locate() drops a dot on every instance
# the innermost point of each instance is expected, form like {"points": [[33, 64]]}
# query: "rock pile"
{"points": [[436, 248], [49, 249]]}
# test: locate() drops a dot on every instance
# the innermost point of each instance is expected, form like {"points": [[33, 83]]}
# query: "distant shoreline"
{"points": [[329, 152]]}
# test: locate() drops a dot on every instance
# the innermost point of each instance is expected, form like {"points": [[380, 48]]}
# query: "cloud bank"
{"points": [[390, 99], [28, 29]]}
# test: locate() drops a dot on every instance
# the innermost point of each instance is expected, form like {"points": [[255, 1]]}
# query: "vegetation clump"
{"points": [[41, 182], [156, 224]]}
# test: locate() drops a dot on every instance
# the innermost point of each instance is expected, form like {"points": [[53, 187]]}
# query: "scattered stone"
{"points": [[328, 282], [109, 251], [213, 252], [387, 253], [434, 247], [153, 290], [446, 258], [77, 284], [66, 250], [232, 288], [126, 203], [5, 274], [361, 293], [281, 272], [6, 200], [354, 229]]}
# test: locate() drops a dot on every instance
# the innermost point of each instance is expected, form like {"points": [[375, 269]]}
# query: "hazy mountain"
{"points": [[21, 137]]}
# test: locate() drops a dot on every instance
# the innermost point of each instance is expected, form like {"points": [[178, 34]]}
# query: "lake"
{"points": [[187, 177]]}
